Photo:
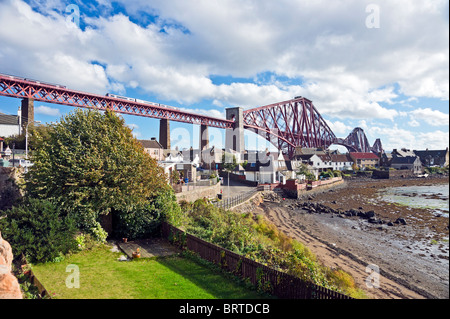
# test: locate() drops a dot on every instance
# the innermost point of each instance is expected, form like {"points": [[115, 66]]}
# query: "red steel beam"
{"points": [[16, 87]]}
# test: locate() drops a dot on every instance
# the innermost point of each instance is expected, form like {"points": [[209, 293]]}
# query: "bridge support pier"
{"points": [[234, 138], [204, 138], [164, 133], [27, 108]]}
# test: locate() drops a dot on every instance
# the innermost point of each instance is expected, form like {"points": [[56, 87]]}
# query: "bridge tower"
{"points": [[164, 133], [234, 137], [27, 108], [204, 137]]}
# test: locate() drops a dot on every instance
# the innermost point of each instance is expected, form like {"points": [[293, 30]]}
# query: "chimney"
{"points": [[19, 115]]}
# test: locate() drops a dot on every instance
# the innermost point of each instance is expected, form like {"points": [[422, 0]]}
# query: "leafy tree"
{"points": [[229, 161], [17, 140], [303, 169], [38, 229], [90, 164]]}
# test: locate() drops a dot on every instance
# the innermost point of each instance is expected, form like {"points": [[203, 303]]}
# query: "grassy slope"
{"points": [[102, 276]]}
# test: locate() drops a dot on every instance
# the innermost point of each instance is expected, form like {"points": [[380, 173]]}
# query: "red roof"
{"points": [[356, 155]]}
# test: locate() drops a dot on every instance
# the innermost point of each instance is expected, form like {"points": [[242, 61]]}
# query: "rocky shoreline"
{"points": [[350, 227]]}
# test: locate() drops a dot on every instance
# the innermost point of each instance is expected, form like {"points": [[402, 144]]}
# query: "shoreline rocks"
{"points": [[9, 286], [370, 216]]}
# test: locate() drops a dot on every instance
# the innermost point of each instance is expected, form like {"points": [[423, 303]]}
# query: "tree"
{"points": [[17, 140], [303, 169], [229, 161], [90, 164]]}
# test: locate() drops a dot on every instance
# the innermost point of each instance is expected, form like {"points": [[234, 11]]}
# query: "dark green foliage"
{"points": [[39, 230], [142, 220], [16, 141], [89, 164], [327, 174]]}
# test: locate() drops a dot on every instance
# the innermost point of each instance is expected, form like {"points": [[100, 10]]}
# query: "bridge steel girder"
{"points": [[358, 141], [11, 86], [293, 123], [286, 124]]}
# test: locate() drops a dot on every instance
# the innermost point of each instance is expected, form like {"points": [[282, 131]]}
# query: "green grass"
{"points": [[102, 276]]}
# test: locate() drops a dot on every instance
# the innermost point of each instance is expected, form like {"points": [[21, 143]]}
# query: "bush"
{"points": [[337, 173], [139, 222], [143, 220], [327, 174], [90, 164], [37, 229]]}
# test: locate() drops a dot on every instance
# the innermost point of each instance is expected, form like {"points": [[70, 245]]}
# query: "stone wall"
{"points": [[9, 190], [199, 192], [9, 286]]}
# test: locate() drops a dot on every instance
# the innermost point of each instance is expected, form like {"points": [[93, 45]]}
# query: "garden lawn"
{"points": [[102, 276]]}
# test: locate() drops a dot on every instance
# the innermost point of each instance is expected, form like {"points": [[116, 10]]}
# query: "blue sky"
{"points": [[379, 65]]}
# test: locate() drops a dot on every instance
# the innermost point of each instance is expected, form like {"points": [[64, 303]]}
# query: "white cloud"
{"points": [[431, 117], [396, 137], [347, 70], [340, 128], [45, 110], [413, 123]]}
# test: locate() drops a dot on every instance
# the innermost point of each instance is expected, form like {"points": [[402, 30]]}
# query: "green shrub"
{"points": [[38, 229], [327, 174], [143, 220], [337, 173]]}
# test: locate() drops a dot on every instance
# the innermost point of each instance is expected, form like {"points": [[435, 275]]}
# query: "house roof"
{"points": [[6, 119], [357, 155], [404, 160], [431, 153], [304, 157], [309, 151], [150, 144], [403, 152], [340, 158]]}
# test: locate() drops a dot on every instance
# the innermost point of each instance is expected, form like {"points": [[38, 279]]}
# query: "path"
{"points": [[155, 247]]}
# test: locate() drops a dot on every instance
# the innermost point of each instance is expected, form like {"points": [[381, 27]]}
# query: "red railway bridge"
{"points": [[287, 124]]}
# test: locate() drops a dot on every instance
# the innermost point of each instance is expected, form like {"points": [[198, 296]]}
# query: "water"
{"points": [[435, 197]]}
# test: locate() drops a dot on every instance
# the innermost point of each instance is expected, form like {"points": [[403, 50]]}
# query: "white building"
{"points": [[10, 124]]}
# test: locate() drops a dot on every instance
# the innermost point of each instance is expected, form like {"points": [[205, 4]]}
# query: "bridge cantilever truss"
{"points": [[289, 124], [357, 141]]}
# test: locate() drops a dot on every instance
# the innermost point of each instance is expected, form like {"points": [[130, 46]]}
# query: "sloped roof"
{"points": [[358, 155], [404, 160], [150, 144], [340, 158], [303, 156], [431, 153], [6, 119]]}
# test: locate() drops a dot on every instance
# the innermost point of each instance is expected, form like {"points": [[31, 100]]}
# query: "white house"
{"points": [[336, 162], [10, 125], [264, 168], [314, 161]]}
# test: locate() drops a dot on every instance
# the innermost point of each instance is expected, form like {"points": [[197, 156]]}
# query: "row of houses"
{"points": [[271, 167]]}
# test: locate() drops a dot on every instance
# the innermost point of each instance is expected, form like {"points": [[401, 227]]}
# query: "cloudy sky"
{"points": [[379, 65]]}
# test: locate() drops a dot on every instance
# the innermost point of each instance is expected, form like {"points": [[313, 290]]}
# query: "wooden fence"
{"points": [[267, 279]]}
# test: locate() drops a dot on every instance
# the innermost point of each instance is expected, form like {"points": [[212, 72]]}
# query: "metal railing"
{"points": [[231, 202]]}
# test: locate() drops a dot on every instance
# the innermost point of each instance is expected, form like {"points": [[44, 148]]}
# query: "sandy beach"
{"points": [[413, 258]]}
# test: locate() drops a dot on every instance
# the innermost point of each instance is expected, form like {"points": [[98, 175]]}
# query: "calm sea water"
{"points": [[427, 197]]}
